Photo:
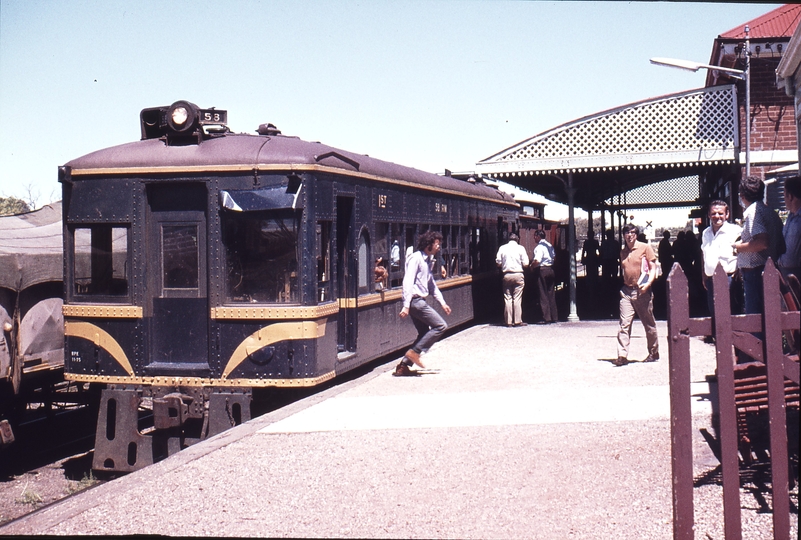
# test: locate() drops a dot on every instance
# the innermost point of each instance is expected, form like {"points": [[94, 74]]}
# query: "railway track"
{"points": [[52, 457], [48, 460]]}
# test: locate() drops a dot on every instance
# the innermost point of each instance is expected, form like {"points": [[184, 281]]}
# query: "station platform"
{"points": [[526, 432]]}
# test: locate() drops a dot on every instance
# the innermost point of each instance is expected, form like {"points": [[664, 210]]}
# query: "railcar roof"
{"points": [[275, 152]]}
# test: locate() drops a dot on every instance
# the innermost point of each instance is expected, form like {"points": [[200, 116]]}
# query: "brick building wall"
{"points": [[772, 113]]}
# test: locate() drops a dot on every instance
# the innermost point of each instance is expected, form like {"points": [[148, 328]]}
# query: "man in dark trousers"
{"points": [[665, 254], [418, 284], [542, 262]]}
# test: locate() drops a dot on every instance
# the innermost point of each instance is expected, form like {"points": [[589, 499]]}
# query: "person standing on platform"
{"points": [[512, 259], [542, 261], [717, 244], [665, 254], [418, 284], [636, 296], [590, 258], [610, 251], [761, 238], [790, 262]]}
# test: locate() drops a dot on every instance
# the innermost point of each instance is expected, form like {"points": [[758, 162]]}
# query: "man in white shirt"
{"points": [[542, 261], [717, 244], [512, 259], [418, 283]]}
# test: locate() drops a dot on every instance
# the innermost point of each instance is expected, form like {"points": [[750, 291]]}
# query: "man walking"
{"points": [[542, 261], [418, 283], [639, 272], [512, 259]]}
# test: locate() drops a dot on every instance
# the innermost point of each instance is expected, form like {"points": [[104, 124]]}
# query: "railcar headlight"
{"points": [[179, 116], [182, 116]]}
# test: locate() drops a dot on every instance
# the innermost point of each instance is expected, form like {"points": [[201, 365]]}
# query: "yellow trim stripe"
{"points": [[102, 311], [101, 339], [272, 334], [201, 382], [282, 312], [280, 168], [380, 298], [454, 282], [345, 303]]}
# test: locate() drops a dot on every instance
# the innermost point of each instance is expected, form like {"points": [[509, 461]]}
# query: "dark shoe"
{"points": [[402, 370], [414, 356], [621, 361], [521, 324], [652, 358]]}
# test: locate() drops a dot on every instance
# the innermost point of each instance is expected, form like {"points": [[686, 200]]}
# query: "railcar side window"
{"points": [[453, 262], [464, 250], [446, 250], [100, 260], [261, 253], [323, 251], [381, 255], [363, 262], [395, 262]]}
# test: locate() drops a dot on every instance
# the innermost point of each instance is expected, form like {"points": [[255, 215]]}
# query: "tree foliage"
{"points": [[12, 205]]}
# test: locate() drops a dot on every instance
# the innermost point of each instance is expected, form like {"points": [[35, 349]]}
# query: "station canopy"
{"points": [[670, 143]]}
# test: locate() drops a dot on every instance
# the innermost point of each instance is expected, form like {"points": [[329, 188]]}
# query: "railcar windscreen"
{"points": [[262, 257], [101, 260]]}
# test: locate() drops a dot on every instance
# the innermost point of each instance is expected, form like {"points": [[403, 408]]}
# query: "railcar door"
{"points": [[346, 278], [177, 290]]}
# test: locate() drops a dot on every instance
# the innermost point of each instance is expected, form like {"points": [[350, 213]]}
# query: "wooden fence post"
{"points": [[777, 413], [727, 408], [681, 436]]}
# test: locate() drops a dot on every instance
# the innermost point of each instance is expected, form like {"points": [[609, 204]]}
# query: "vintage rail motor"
{"points": [[201, 264]]}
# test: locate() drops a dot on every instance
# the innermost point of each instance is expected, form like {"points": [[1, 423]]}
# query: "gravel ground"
{"points": [[24, 493]]}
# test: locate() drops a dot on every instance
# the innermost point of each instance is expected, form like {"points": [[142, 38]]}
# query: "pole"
{"points": [[747, 102], [571, 245]]}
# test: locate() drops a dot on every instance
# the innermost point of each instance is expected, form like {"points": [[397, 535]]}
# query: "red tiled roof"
{"points": [[779, 23]]}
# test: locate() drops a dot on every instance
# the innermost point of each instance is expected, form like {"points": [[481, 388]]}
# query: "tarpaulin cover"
{"points": [[31, 248]]}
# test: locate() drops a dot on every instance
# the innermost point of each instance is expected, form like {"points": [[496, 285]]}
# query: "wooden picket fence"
{"points": [[781, 373]]}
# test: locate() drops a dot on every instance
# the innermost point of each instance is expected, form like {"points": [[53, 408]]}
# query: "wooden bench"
{"points": [[751, 398]]}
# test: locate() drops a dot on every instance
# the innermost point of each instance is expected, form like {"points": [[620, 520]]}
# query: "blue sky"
{"points": [[428, 84]]}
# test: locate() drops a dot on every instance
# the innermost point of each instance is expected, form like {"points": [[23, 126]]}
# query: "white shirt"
{"points": [[418, 280], [719, 248], [543, 253], [754, 223], [512, 257]]}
